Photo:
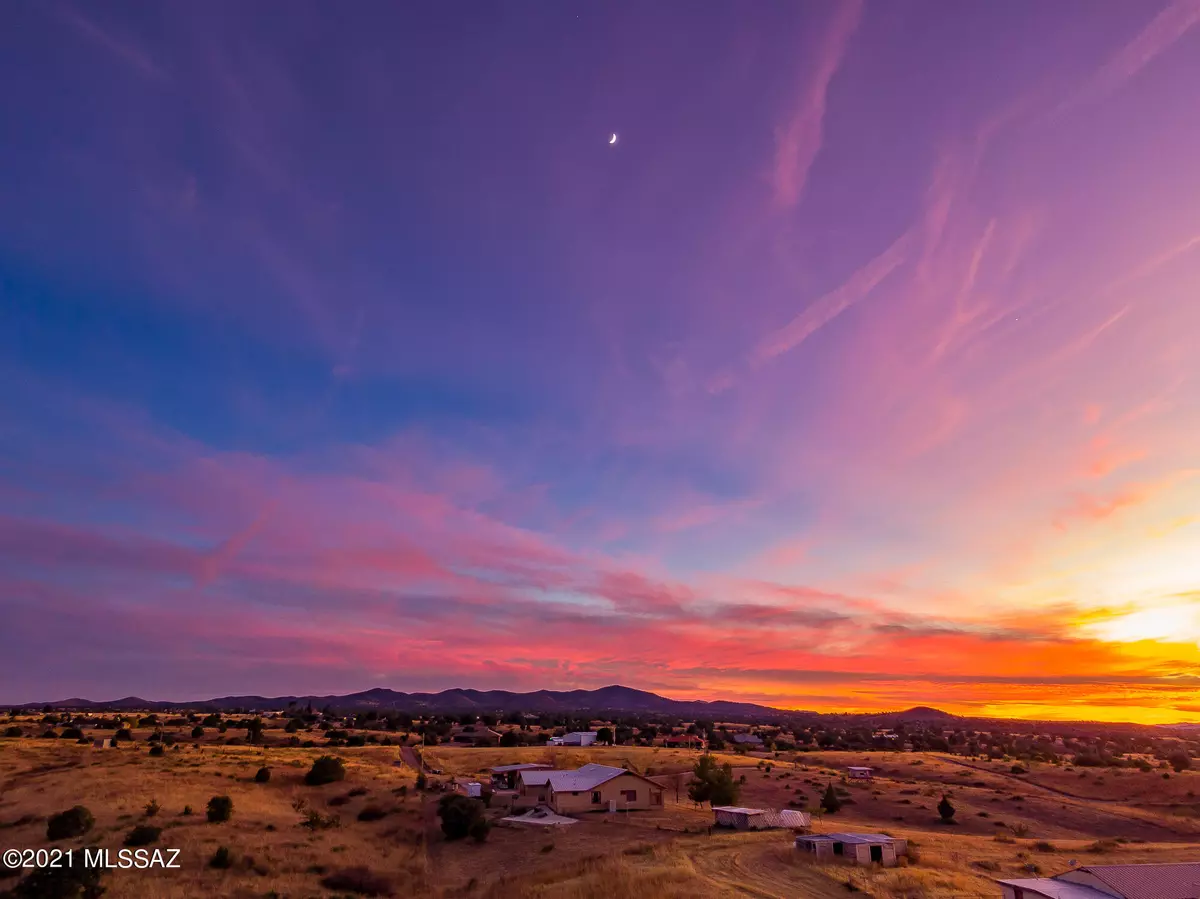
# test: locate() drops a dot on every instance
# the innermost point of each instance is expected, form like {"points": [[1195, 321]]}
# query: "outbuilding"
{"points": [[860, 848], [859, 772], [742, 818]]}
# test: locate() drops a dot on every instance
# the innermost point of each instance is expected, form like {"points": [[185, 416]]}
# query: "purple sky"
{"points": [[342, 349]]}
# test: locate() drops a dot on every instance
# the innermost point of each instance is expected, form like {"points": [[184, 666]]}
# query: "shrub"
{"points": [[325, 770], [1180, 761], [358, 791], [142, 835], [945, 809], [372, 813], [123, 735], [362, 881], [72, 733], [1017, 769], [479, 830], [197, 733], [1043, 846], [74, 822], [1020, 830], [152, 807], [66, 882], [50, 735], [459, 814], [314, 820], [262, 776], [421, 780], [292, 726], [220, 808], [187, 810], [13, 731], [221, 858], [156, 749]]}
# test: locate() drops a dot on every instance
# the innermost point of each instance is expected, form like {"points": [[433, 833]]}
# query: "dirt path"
{"points": [[1113, 808], [747, 865], [410, 757]]}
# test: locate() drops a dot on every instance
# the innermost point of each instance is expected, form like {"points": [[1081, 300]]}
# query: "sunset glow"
{"points": [[862, 373]]}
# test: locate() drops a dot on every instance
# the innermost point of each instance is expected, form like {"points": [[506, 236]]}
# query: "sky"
{"points": [[344, 349]]}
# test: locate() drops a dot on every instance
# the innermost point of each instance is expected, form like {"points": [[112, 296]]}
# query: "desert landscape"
{"points": [[250, 819]]}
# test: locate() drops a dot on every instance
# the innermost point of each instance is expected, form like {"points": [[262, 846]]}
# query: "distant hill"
{"points": [[614, 698]]}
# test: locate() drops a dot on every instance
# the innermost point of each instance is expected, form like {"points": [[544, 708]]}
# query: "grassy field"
{"points": [[670, 852]]}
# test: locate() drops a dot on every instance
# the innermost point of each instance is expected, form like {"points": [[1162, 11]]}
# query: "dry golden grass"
{"points": [[271, 851], [665, 853], [454, 760]]}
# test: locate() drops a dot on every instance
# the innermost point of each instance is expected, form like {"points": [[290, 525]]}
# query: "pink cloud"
{"points": [[798, 142]]}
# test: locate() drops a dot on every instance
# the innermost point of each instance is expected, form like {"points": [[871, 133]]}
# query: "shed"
{"points": [[860, 848], [743, 818], [859, 772]]}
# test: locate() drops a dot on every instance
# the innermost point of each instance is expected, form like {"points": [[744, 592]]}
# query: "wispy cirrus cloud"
{"points": [[799, 140]]}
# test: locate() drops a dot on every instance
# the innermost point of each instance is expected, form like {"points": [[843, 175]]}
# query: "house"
{"points": [[474, 735], [751, 740], [576, 738], [1148, 881], [858, 772], [600, 788], [504, 777], [533, 787], [860, 848], [687, 741], [759, 818]]}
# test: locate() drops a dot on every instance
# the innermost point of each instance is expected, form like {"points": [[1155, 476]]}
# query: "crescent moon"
{"points": [[613, 139]]}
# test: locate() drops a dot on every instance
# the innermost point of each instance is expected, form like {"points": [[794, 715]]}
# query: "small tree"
{"points": [[946, 810], [604, 735], [262, 775], [509, 738], [712, 783], [325, 770], [197, 732], [1180, 761], [220, 808], [460, 815], [830, 802]]}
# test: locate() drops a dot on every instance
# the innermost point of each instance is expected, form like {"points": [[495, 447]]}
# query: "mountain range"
{"points": [[613, 698]]}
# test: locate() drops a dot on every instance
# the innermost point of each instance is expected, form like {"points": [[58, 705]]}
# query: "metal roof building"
{"points": [[1146, 881]]}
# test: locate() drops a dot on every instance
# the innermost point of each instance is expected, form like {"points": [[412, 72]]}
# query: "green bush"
{"points": [[372, 813], [142, 835], [221, 858], [156, 749], [262, 776], [74, 822], [220, 808], [72, 733], [152, 808], [122, 734], [459, 814], [13, 731], [197, 732], [325, 770]]}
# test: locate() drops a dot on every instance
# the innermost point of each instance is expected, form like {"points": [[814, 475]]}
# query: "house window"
{"points": [[630, 795], [595, 797]]}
